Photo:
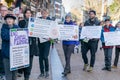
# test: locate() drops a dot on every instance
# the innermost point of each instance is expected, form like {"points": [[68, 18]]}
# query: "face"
{"points": [[91, 15], [44, 14], [28, 14], [107, 23], [118, 25], [10, 21], [20, 18], [68, 19], [4, 11]]}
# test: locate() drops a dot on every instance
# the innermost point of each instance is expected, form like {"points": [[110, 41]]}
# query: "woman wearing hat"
{"points": [[68, 47], [9, 24], [107, 49]]}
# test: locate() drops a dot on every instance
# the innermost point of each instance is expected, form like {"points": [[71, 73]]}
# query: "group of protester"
{"points": [[92, 44], [9, 21]]}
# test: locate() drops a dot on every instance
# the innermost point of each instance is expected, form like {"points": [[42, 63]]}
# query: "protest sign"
{"points": [[19, 49], [91, 32], [16, 10], [112, 38], [69, 32], [43, 28]]}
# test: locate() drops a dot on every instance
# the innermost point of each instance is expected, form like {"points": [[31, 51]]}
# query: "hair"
{"points": [[26, 11], [92, 12], [44, 9]]}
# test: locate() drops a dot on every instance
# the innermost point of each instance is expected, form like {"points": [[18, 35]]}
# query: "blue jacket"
{"points": [[69, 42], [111, 29], [5, 35]]}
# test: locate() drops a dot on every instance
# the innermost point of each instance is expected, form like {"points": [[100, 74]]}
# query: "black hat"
{"points": [[92, 11], [9, 16], [107, 20]]}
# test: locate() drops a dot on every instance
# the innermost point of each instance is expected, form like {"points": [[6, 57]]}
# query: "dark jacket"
{"points": [[69, 42], [32, 40], [5, 35], [96, 22]]}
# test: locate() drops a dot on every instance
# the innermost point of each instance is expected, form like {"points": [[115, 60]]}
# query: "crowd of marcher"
{"points": [[10, 21]]}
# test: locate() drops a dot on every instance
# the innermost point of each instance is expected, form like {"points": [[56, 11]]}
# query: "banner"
{"points": [[112, 38], [69, 32], [91, 32], [43, 28], [19, 49]]}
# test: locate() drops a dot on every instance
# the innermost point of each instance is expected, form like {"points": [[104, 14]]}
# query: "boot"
{"points": [[85, 67], [47, 74], [66, 71]]}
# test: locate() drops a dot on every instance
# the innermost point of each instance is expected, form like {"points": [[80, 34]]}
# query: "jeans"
{"points": [[27, 71], [85, 47], [68, 50], [10, 75], [44, 49], [117, 53], [108, 56]]}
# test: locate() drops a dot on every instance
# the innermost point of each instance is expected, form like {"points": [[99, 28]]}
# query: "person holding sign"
{"points": [[5, 35], [68, 47], [117, 49], [32, 43], [44, 50], [90, 44], [107, 49], [3, 12]]}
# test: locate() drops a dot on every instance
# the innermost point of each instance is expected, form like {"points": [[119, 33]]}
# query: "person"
{"points": [[5, 35], [3, 11], [68, 47], [44, 49], [32, 43], [20, 17], [90, 44], [107, 49], [117, 49]]}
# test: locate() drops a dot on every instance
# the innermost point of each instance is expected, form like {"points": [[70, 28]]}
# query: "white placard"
{"points": [[16, 10], [91, 32], [19, 49], [43, 28], [69, 32], [112, 38]]}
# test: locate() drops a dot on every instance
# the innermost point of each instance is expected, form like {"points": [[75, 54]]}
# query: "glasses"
{"points": [[3, 10]]}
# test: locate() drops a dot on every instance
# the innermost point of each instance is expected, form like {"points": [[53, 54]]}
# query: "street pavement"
{"points": [[57, 64], [97, 74]]}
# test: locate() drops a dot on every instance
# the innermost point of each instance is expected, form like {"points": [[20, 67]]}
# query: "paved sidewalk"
{"points": [[97, 74]]}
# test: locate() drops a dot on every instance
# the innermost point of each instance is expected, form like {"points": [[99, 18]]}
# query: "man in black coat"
{"points": [[90, 44]]}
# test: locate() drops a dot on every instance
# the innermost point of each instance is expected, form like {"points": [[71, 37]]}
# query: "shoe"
{"points": [[41, 75], [115, 67], [109, 69], [85, 67], [90, 69], [66, 72], [46, 74], [105, 68]]}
